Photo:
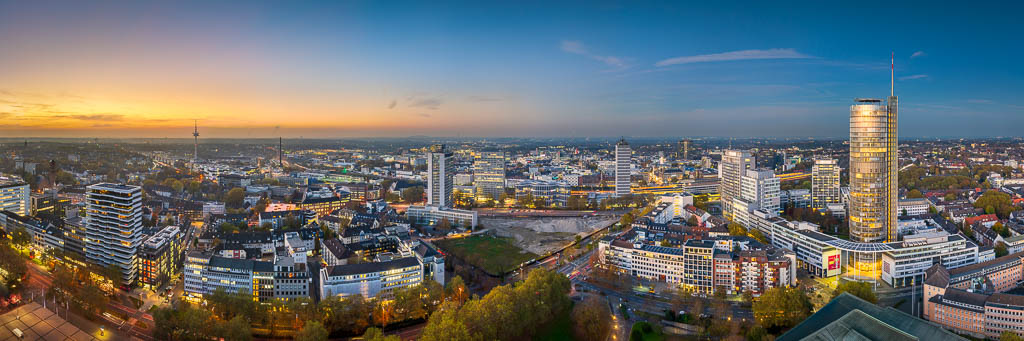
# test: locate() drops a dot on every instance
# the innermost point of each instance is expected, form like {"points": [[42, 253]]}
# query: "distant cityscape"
{"points": [[510, 171]]}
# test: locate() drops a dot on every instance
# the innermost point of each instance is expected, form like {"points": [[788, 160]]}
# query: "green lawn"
{"points": [[492, 254]]}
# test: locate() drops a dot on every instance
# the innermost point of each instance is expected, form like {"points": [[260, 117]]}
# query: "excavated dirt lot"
{"points": [[542, 235]]}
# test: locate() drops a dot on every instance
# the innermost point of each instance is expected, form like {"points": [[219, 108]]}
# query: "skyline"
{"points": [[127, 70]]}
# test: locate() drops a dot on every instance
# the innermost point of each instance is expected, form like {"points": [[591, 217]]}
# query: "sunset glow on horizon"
{"points": [[127, 69]]}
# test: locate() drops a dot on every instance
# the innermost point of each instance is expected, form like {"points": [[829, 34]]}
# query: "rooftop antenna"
{"points": [[892, 74]]}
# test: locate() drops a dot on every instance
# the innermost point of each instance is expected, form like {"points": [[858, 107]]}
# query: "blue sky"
{"points": [[512, 69]]}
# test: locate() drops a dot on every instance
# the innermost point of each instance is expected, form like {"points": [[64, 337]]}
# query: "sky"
{"points": [[503, 69]]}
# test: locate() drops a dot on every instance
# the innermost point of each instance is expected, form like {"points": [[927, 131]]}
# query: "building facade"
{"points": [[14, 195], [439, 177], [113, 227], [873, 166], [734, 165], [489, 174], [825, 182], [161, 256], [623, 165]]}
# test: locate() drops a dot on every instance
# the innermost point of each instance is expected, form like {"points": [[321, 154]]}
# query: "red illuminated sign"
{"points": [[833, 262]]}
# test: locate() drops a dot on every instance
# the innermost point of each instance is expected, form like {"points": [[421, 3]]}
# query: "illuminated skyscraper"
{"points": [[489, 174], [684, 149], [873, 167], [824, 182], [439, 180], [623, 162]]}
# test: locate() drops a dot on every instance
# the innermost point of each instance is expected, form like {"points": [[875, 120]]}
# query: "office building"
{"points": [[761, 187], [160, 257], [623, 164], [734, 165], [825, 182], [432, 215], [977, 300], [113, 227], [551, 193], [14, 195], [489, 174], [913, 206], [873, 166], [439, 177], [684, 149]]}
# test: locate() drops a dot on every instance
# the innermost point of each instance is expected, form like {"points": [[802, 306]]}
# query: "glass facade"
{"points": [[873, 167]]}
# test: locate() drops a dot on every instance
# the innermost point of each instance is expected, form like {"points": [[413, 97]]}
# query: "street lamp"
{"points": [[103, 329]]}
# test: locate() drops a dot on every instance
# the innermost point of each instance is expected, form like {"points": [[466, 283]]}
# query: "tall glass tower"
{"points": [[873, 170]]}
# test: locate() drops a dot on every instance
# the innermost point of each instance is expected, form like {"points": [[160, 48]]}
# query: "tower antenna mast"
{"points": [[892, 74]]}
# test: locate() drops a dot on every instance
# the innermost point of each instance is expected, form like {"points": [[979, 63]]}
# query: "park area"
{"points": [[494, 255]]}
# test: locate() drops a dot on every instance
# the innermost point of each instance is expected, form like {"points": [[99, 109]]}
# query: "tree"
{"points": [[227, 227], [456, 290], [235, 197], [236, 329], [914, 193], [311, 331], [736, 229], [444, 325], [1010, 336], [444, 225], [589, 319], [859, 289], [375, 334], [627, 220], [93, 298], [20, 237], [781, 307], [692, 221], [758, 236], [413, 194], [1001, 249]]}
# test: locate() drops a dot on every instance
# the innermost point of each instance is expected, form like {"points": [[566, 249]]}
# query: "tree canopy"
{"points": [[859, 289], [781, 307]]}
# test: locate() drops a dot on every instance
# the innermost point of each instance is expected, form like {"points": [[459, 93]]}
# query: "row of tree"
{"points": [[506, 313], [238, 315]]}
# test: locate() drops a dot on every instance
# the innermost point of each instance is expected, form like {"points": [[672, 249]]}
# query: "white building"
{"points": [[433, 214], [369, 279], [761, 187], [915, 206], [14, 195], [623, 166], [113, 227], [731, 170]]}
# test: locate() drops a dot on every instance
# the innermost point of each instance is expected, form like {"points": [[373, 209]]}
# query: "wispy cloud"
{"points": [[577, 47], [980, 101], [906, 78], [918, 54], [423, 114], [94, 117], [432, 103], [393, 104], [735, 55]]}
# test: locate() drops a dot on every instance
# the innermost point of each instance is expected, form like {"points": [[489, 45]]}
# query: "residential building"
{"points": [[161, 256], [976, 300], [113, 227], [825, 182]]}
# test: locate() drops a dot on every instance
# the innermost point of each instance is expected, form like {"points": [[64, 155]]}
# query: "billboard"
{"points": [[831, 262]]}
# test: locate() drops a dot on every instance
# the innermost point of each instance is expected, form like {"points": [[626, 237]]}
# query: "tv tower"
{"points": [[195, 152], [280, 151]]}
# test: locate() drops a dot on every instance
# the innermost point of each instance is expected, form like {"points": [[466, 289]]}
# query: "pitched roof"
{"points": [[878, 324]]}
